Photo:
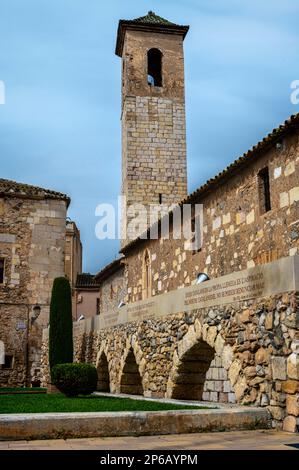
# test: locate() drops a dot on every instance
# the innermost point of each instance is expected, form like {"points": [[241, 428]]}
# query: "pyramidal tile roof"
{"points": [[148, 23], [152, 18], [13, 189]]}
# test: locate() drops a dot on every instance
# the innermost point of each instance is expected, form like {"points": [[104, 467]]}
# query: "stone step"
{"points": [[74, 425]]}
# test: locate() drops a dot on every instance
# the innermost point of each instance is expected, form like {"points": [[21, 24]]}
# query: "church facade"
{"points": [[235, 337]]}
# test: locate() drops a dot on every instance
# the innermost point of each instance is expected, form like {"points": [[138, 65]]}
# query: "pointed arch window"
{"points": [[154, 67]]}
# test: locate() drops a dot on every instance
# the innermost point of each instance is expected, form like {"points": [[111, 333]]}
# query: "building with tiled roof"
{"points": [[274, 137], [161, 332], [10, 188], [35, 247]]}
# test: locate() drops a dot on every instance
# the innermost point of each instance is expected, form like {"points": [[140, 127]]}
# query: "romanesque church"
{"points": [[158, 330]]}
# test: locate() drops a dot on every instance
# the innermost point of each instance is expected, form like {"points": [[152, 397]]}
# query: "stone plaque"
{"points": [[226, 291], [261, 281], [142, 310], [109, 319], [264, 280]]}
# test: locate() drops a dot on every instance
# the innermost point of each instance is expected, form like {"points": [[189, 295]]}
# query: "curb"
{"points": [[131, 423]]}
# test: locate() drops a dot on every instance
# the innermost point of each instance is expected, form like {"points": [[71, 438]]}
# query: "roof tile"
{"points": [[13, 189]]}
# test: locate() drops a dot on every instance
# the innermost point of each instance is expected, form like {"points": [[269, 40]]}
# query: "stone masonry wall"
{"points": [[32, 238], [153, 123], [252, 346], [236, 234], [112, 292]]}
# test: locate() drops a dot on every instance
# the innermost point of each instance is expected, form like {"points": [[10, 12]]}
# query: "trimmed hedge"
{"points": [[75, 379], [61, 323]]}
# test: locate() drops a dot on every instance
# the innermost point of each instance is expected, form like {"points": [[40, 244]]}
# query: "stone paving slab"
{"points": [[74, 425], [233, 440]]}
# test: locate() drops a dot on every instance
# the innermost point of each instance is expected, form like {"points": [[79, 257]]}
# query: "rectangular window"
{"points": [[2, 263], [8, 364], [264, 190], [196, 221]]}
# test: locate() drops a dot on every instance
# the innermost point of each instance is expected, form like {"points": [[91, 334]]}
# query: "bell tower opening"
{"points": [[154, 67]]}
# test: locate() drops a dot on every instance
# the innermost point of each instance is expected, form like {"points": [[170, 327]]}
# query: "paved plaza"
{"points": [[243, 440]]}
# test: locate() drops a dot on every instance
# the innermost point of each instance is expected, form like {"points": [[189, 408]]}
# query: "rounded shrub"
{"points": [[75, 379]]}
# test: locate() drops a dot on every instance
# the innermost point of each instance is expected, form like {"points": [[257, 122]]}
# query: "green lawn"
{"points": [[60, 403]]}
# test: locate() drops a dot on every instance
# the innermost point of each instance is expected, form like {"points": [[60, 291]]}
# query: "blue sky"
{"points": [[60, 126]]}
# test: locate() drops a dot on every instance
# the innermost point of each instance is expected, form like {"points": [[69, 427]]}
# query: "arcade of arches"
{"points": [[246, 352]]}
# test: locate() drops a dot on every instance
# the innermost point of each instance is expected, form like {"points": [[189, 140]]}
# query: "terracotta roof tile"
{"points": [[86, 280], [109, 269], [151, 18], [13, 189], [148, 23]]}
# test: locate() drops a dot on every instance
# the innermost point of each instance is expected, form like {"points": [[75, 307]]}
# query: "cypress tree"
{"points": [[61, 324]]}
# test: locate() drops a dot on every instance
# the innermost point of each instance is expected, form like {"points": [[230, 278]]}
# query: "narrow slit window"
{"points": [[2, 262], [264, 190], [160, 198], [8, 364], [146, 275], [98, 306], [154, 67]]}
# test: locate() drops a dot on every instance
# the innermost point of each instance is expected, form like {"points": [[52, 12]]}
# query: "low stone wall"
{"points": [[130, 423], [246, 352]]}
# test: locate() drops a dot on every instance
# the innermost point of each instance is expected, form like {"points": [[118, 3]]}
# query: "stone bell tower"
{"points": [[153, 112]]}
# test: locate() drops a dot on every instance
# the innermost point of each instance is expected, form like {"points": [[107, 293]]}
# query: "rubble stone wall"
{"points": [[237, 234], [246, 352]]}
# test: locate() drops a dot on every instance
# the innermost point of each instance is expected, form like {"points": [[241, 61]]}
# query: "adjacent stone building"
{"points": [[73, 259], [86, 297], [73, 252], [32, 255]]}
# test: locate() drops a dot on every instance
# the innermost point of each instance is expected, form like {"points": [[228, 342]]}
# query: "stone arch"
{"points": [[191, 372], [103, 373], [191, 362], [130, 380]]}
